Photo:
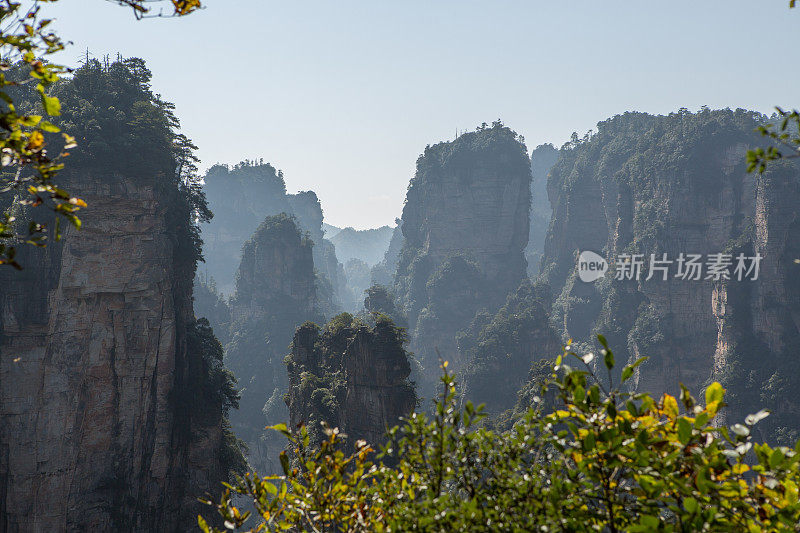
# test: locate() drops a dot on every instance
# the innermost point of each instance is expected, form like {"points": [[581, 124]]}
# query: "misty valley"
{"points": [[601, 335]]}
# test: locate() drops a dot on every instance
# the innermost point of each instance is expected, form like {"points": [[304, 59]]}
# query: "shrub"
{"points": [[601, 460]]}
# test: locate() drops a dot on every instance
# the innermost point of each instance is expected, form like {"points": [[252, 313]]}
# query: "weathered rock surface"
{"points": [[678, 184], [543, 157], [469, 198], [351, 376], [240, 198], [275, 293], [94, 435]]}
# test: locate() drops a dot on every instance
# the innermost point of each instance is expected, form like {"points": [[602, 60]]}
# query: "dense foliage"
{"points": [[214, 394], [350, 374], [29, 167], [605, 460], [501, 349]]}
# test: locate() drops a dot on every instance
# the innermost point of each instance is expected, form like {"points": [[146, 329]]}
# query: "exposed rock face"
{"points": [[241, 197], [275, 293], [543, 158], [469, 198], [383, 273], [94, 435], [351, 376], [332, 291], [677, 184]]}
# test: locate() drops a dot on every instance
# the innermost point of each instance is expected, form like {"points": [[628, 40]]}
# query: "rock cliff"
{"points": [[275, 293], [670, 185], [105, 424], [240, 198], [543, 158], [351, 376], [93, 357], [465, 227], [384, 271]]}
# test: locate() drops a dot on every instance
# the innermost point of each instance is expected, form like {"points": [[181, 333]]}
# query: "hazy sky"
{"points": [[344, 95]]}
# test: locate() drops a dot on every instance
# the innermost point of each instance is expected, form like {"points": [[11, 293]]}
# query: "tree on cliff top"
{"points": [[29, 170]]}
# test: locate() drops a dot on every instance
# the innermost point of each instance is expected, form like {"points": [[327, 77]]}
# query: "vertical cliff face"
{"points": [[275, 293], [112, 396], [351, 376], [384, 271], [758, 324], [92, 358], [670, 185], [466, 214], [332, 290], [543, 158], [240, 198]]}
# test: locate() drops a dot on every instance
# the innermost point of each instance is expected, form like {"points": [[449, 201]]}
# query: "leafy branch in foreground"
{"points": [[786, 135], [603, 460], [141, 9], [28, 169]]}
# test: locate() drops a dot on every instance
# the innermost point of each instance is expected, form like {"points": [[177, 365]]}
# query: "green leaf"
{"points": [[627, 372], [775, 458], [684, 431], [602, 340], [51, 105], [285, 463], [281, 428], [579, 394], [608, 358], [48, 127]]}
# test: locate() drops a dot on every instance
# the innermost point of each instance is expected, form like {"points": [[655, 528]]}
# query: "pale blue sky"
{"points": [[344, 95]]}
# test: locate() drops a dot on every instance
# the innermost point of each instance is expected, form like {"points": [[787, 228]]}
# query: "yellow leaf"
{"points": [[35, 141], [670, 406]]}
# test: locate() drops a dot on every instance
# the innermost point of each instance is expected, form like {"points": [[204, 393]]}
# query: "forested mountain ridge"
{"points": [[675, 184], [240, 198], [350, 375]]}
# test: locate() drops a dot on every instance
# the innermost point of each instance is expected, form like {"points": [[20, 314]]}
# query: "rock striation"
{"points": [[112, 395], [465, 227], [677, 184], [275, 293], [351, 376], [93, 365]]}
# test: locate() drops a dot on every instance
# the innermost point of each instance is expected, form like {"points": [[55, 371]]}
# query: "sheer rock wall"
{"points": [[94, 432]]}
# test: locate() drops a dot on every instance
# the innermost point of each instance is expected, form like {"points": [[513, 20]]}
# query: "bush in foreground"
{"points": [[606, 460]]}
